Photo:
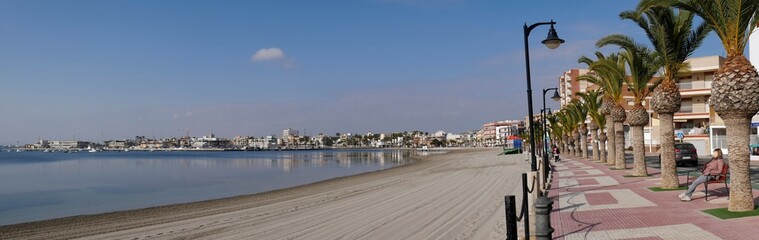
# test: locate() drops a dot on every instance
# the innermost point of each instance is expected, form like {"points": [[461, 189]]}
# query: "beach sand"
{"points": [[458, 195]]}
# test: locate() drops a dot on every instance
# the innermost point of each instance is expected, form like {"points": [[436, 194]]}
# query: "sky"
{"points": [[99, 70]]}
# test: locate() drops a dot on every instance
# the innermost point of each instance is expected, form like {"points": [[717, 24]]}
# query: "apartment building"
{"points": [[497, 133], [753, 47]]}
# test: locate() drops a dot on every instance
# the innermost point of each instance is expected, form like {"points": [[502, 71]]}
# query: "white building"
{"points": [[268, 142], [753, 54]]}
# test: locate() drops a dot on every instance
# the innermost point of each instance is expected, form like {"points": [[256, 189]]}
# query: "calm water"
{"points": [[38, 185]]}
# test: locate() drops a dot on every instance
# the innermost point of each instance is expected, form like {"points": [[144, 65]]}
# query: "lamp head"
{"points": [[552, 41], [556, 96]]}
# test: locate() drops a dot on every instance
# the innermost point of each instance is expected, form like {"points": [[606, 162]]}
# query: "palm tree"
{"points": [[579, 113], [554, 127], [566, 123], [735, 89], [592, 101], [643, 64], [673, 36], [611, 75]]}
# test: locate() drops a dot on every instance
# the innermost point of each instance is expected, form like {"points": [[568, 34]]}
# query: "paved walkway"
{"points": [[593, 202]]}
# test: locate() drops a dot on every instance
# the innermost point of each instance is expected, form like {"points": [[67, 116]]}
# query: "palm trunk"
{"points": [[594, 135], [584, 144], [602, 150], [639, 154], [619, 141], [669, 178], [610, 146], [572, 148], [741, 195], [578, 148]]}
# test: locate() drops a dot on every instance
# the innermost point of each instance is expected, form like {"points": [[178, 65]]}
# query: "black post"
{"points": [[533, 161], [511, 217], [525, 212], [545, 141], [527, 30]]}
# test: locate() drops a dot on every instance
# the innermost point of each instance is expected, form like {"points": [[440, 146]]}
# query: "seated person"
{"points": [[713, 167]]}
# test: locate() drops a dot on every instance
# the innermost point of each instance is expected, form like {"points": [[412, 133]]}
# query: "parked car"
{"points": [[685, 154]]}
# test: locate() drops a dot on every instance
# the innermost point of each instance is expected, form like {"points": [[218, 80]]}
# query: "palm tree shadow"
{"points": [[588, 225]]}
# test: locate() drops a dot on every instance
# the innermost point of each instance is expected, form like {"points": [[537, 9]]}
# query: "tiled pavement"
{"points": [[593, 202]]}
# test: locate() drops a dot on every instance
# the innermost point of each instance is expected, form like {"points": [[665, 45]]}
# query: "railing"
{"points": [[510, 208], [692, 131], [511, 217]]}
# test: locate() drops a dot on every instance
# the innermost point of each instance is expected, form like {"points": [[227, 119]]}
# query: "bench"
{"points": [[718, 178]]}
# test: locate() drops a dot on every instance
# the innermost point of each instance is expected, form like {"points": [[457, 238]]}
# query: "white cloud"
{"points": [[177, 115], [268, 54]]}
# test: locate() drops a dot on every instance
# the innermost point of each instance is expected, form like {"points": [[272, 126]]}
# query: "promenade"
{"points": [[593, 202]]}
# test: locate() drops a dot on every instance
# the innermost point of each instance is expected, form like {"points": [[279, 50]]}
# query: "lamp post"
{"points": [[552, 41], [555, 97]]}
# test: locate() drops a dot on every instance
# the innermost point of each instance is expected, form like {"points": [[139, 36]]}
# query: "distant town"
{"points": [[490, 134]]}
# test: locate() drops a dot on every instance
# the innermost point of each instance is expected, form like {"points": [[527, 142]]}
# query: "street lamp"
{"points": [[552, 41]]}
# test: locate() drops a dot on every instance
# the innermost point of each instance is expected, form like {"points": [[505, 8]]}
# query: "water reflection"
{"points": [[37, 185]]}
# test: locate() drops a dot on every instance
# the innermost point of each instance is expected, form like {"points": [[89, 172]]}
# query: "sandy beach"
{"points": [[458, 195]]}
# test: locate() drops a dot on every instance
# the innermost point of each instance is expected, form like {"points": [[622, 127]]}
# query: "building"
{"points": [[569, 86], [753, 48], [65, 144], [117, 144], [289, 136], [497, 133], [241, 142], [268, 142]]}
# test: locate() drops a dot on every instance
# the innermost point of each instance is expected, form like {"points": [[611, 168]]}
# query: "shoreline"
{"points": [[60, 228]]}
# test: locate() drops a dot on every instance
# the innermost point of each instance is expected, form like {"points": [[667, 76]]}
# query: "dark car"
{"points": [[685, 153]]}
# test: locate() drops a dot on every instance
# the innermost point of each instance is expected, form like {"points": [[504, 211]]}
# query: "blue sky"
{"points": [[95, 70]]}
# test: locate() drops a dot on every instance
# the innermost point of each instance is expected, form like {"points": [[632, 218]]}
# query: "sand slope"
{"points": [[458, 195]]}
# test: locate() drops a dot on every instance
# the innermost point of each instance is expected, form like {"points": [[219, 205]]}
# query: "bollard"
{"points": [[543, 229], [533, 182], [511, 217]]}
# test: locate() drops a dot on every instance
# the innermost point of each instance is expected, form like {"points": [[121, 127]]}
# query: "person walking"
{"points": [[711, 168], [556, 154]]}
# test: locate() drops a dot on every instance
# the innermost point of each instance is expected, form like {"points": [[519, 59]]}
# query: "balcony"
{"points": [[695, 88]]}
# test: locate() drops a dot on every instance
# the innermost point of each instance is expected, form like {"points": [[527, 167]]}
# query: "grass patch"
{"points": [[723, 213], [616, 168], [659, 189], [631, 176]]}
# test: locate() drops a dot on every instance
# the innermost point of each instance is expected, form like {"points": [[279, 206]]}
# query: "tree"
{"points": [[642, 64], [328, 141], [555, 129], [735, 90], [565, 125], [672, 35], [579, 113], [609, 74], [592, 101]]}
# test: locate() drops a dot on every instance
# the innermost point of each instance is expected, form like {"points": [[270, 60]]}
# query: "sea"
{"points": [[37, 185]]}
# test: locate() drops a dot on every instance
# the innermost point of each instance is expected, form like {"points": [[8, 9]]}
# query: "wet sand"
{"points": [[458, 195]]}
